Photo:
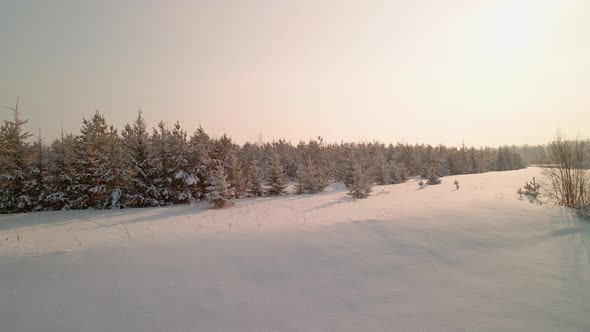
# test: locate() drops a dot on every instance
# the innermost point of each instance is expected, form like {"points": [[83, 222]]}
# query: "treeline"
{"points": [[542, 154], [104, 168]]}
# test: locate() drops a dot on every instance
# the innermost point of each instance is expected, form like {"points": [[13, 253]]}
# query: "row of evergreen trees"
{"points": [[137, 167]]}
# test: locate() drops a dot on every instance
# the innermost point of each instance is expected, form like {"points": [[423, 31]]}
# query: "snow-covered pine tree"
{"points": [[397, 172], [380, 167], [37, 178], [361, 185], [200, 161], [315, 179], [235, 176], [256, 187], [183, 181], [465, 167], [301, 178], [161, 163], [343, 166], [13, 165], [99, 163], [275, 177], [65, 191], [474, 162], [140, 189], [225, 151], [441, 162], [220, 193]]}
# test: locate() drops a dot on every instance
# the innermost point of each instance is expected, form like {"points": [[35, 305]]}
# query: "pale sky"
{"points": [[484, 72]]}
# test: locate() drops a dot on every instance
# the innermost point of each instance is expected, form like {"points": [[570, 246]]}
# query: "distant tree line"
{"points": [[104, 168]]}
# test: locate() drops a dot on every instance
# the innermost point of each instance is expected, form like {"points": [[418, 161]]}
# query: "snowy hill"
{"points": [[405, 259]]}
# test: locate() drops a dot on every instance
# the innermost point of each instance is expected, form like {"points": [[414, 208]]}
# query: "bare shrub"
{"points": [[568, 173]]}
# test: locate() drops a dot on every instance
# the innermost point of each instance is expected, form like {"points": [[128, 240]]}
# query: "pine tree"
{"points": [[65, 192], [140, 190], [301, 177], [37, 183], [474, 163], [220, 191], [380, 168], [99, 163], [161, 163], [225, 151], [256, 187], [183, 181], [397, 172], [13, 165], [532, 189], [234, 174], [275, 179], [199, 159], [315, 180], [361, 186], [501, 160]]}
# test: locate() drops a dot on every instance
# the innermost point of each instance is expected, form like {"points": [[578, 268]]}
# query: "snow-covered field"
{"points": [[437, 259]]}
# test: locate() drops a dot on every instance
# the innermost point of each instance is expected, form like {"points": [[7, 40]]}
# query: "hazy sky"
{"points": [[486, 72]]}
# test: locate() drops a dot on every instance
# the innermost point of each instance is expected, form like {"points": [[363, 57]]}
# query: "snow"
{"points": [[404, 259]]}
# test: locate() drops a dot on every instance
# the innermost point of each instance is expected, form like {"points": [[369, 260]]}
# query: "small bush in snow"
{"points": [[433, 179], [421, 184], [532, 189], [457, 184]]}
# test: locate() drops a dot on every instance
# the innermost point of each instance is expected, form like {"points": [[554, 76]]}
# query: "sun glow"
{"points": [[514, 27]]}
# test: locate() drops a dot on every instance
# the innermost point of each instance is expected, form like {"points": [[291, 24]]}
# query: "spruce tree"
{"points": [[37, 184], [256, 187], [99, 163], [219, 191], [315, 179], [199, 158], [380, 167], [275, 178], [140, 189], [301, 177], [161, 163], [361, 185], [235, 176], [397, 172], [65, 191], [501, 160], [13, 165], [532, 189], [474, 163], [183, 181]]}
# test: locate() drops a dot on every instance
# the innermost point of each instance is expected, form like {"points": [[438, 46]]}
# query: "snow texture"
{"points": [[437, 259]]}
